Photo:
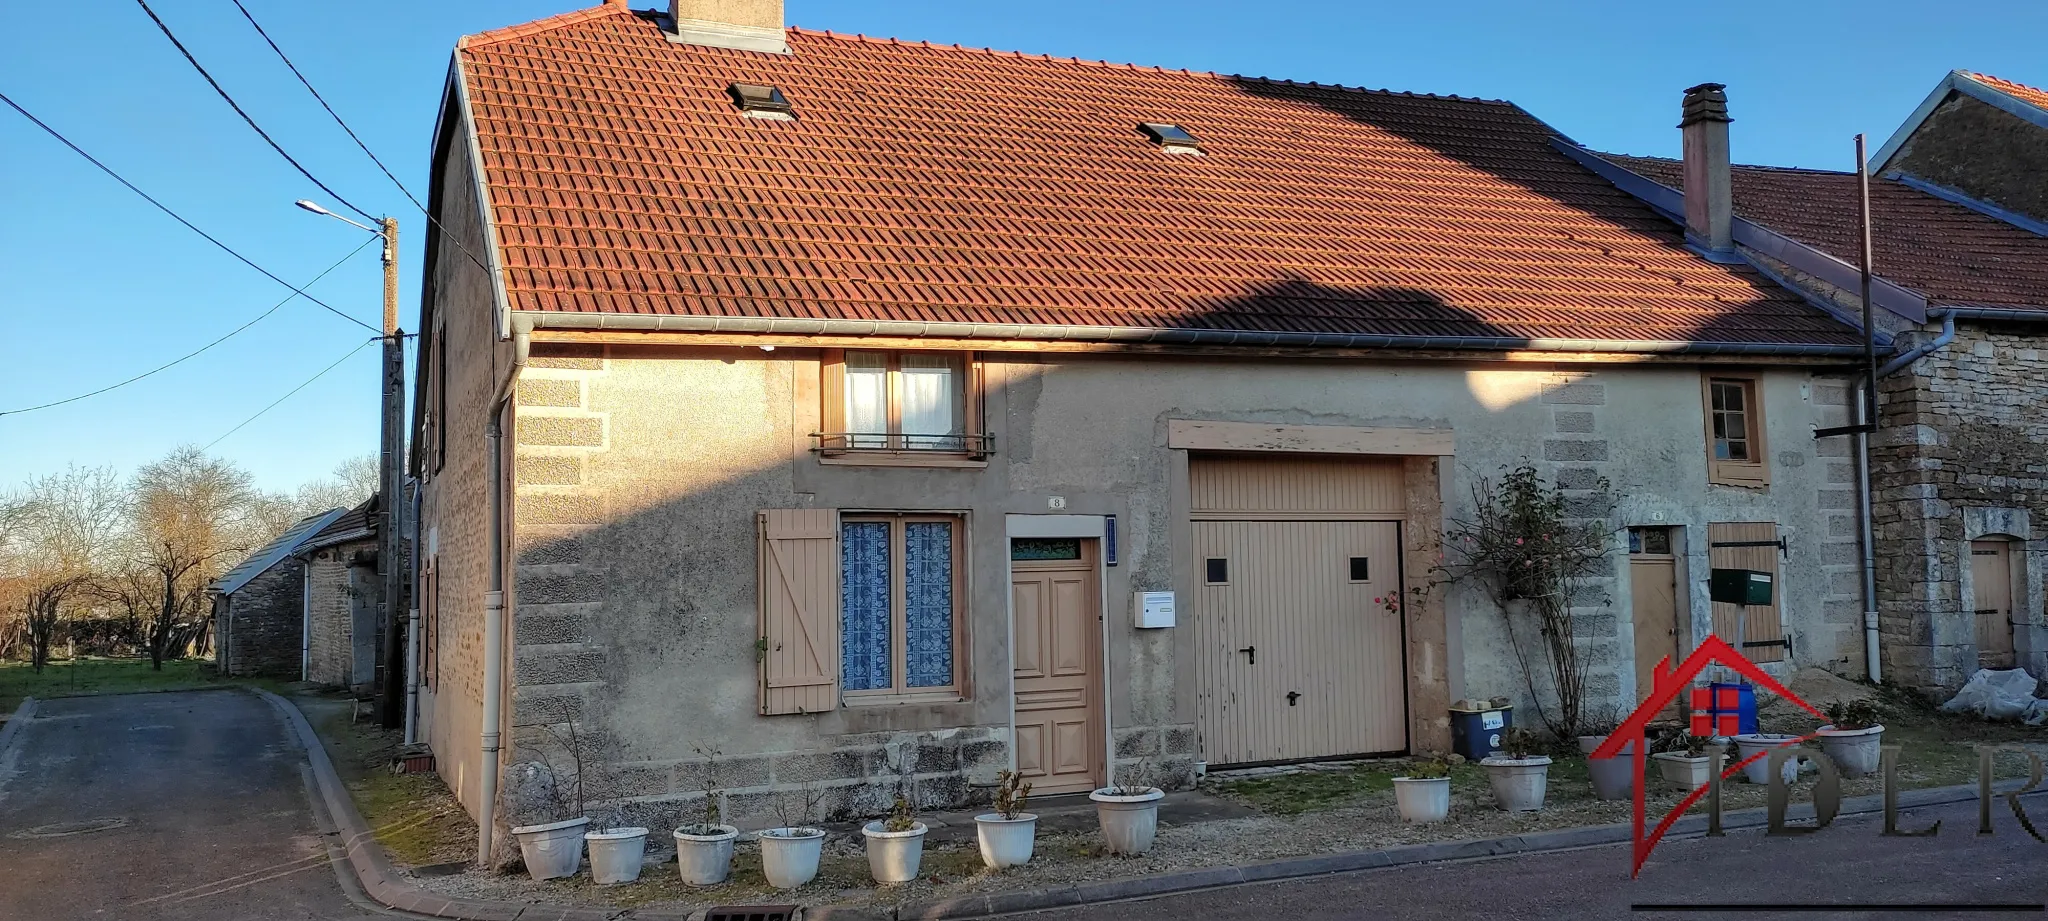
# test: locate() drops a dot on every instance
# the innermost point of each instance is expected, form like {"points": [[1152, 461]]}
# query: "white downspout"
{"points": [[412, 628], [1872, 661], [494, 598], [305, 621]]}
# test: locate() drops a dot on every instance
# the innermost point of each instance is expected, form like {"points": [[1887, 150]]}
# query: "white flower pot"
{"points": [[1685, 771], [1855, 751], [1613, 778], [553, 850], [893, 856], [1129, 823], [1006, 842], [705, 860], [789, 856], [1759, 771], [1423, 799], [617, 855], [1519, 784]]}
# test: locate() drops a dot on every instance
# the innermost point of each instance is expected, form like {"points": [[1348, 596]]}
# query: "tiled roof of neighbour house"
{"points": [[937, 184], [2037, 97], [358, 523], [269, 554], [1950, 253]]}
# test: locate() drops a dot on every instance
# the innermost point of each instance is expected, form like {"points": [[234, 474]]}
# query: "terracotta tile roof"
{"points": [[936, 183], [1946, 251], [2021, 91]]}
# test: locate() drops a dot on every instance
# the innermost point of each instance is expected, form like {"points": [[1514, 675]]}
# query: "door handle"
{"points": [[1293, 696], [1251, 655]]}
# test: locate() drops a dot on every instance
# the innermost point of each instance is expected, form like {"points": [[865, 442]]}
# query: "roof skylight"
{"points": [[1170, 137], [760, 101]]}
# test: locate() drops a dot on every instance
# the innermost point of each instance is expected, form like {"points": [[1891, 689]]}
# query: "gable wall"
{"points": [[1983, 152]]}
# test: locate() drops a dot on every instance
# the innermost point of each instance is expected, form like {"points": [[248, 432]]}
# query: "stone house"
{"points": [[343, 631], [259, 606], [866, 412], [1958, 474]]}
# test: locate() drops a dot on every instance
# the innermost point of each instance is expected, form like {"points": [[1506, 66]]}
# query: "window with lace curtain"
{"points": [[901, 402], [899, 600]]}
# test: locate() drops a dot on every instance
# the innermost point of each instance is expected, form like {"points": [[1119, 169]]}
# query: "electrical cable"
{"points": [[195, 352], [353, 137], [288, 394], [245, 116], [179, 218]]}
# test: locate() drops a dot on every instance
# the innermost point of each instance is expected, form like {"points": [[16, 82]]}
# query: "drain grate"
{"points": [[751, 913]]}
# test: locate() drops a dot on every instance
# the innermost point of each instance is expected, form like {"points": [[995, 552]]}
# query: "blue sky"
{"points": [[95, 285]]}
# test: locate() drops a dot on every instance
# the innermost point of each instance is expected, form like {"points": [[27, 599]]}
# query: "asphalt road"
{"points": [[1850, 862], [163, 806]]}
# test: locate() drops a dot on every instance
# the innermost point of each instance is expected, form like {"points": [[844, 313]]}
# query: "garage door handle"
{"points": [[1251, 655]]}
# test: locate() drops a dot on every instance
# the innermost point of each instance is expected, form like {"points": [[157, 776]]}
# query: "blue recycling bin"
{"points": [[1477, 734]]}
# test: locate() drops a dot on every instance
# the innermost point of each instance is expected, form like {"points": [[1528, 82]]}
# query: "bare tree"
{"points": [[353, 481], [54, 533], [189, 515]]}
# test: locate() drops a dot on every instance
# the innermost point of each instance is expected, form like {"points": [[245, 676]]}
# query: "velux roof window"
{"points": [[1170, 137], [760, 101]]}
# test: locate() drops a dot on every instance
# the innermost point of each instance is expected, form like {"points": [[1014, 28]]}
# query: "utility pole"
{"points": [[391, 692]]}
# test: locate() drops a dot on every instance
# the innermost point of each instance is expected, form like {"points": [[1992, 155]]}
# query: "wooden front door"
{"points": [[1991, 588], [1653, 590], [1298, 626], [1056, 653]]}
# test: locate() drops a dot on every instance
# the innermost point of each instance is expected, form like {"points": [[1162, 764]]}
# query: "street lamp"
{"points": [[391, 693]]}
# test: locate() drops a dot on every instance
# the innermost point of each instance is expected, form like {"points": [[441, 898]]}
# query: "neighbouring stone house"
{"points": [[259, 606], [343, 631], [1959, 474], [864, 412]]}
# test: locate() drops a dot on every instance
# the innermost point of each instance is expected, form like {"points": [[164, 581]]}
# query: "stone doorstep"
{"points": [[390, 888]]}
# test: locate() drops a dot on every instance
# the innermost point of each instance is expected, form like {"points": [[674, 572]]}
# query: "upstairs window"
{"points": [[902, 401], [1735, 431]]}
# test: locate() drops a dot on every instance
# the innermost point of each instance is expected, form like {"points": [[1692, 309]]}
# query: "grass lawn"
{"points": [[413, 815], [73, 677]]}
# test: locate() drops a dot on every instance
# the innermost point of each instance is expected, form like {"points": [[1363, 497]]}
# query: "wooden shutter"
{"points": [[799, 594], [1754, 623], [973, 410]]}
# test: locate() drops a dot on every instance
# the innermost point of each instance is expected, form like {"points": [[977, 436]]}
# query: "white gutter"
{"points": [[494, 598]]}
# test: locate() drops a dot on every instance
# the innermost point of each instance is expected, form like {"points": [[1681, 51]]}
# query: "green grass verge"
{"points": [[414, 816], [74, 677]]}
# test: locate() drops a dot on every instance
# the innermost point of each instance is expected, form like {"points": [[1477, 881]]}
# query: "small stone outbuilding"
{"points": [[259, 606], [342, 627]]}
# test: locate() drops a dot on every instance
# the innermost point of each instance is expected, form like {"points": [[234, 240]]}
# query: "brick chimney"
{"points": [[1709, 196], [748, 25]]}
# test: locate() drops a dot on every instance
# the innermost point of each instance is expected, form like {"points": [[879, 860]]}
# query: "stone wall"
{"points": [[1962, 455], [1988, 154], [264, 620], [339, 596]]}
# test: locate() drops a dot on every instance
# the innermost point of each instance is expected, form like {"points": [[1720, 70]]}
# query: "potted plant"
{"points": [[704, 848], [617, 852], [1520, 777], [1852, 737], [895, 843], [1684, 759], [1613, 778], [1007, 834], [790, 852], [1760, 743], [1424, 793], [1128, 813], [554, 849]]}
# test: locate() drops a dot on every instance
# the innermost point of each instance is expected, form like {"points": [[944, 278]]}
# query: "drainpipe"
{"points": [[1948, 335], [412, 625], [305, 621], [494, 598]]}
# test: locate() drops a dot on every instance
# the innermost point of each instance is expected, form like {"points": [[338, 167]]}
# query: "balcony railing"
{"points": [[975, 445]]}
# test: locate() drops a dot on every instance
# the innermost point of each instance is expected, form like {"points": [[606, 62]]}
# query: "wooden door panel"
{"points": [[1991, 592], [1739, 624], [1653, 590], [1056, 691]]}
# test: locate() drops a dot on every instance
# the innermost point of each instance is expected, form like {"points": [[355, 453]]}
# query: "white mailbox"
{"points": [[1154, 609]]}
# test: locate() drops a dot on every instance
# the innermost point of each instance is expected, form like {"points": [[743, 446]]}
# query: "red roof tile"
{"points": [[2038, 97], [935, 183], [1946, 251]]}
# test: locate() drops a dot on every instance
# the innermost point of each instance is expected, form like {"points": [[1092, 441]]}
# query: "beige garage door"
{"points": [[1299, 656]]}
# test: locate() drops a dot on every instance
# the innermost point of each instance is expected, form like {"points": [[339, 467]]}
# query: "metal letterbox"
{"points": [[1739, 586]]}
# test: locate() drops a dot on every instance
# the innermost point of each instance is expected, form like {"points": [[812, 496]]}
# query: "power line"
{"points": [[195, 352], [180, 219], [245, 116], [288, 394], [352, 135]]}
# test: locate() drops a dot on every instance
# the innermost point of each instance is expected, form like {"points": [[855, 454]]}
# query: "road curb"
{"points": [[22, 714], [384, 884]]}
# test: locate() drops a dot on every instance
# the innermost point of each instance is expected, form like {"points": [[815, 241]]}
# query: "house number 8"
{"points": [[1056, 502]]}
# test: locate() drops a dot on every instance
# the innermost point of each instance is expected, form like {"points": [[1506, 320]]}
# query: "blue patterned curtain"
{"points": [[928, 613], [864, 605]]}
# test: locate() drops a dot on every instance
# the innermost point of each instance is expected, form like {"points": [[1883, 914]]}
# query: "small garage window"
{"points": [[1361, 569], [1045, 548], [1216, 571]]}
